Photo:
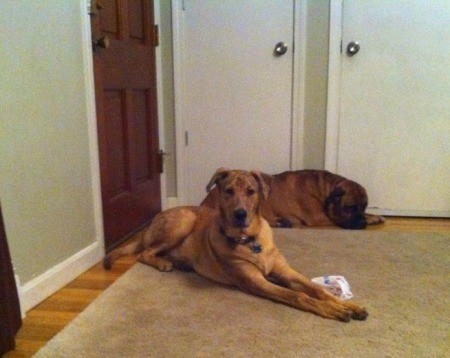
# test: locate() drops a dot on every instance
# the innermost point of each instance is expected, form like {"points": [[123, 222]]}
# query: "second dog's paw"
{"points": [[284, 223], [375, 219]]}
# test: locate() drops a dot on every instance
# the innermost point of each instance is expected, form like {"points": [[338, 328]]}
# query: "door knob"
{"points": [[102, 42], [280, 49], [353, 48]]}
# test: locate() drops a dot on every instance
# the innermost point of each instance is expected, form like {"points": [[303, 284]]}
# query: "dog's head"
{"points": [[239, 195], [346, 205]]}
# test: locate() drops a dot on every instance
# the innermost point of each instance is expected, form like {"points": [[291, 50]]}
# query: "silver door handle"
{"points": [[280, 49], [353, 48]]}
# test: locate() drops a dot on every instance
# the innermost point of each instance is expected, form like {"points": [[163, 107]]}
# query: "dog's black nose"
{"points": [[357, 223], [240, 214]]}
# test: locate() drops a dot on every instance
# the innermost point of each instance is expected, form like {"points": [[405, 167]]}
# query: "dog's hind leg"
{"points": [[131, 248], [165, 233], [149, 257]]}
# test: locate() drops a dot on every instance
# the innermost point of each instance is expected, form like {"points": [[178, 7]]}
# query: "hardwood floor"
{"points": [[52, 315]]}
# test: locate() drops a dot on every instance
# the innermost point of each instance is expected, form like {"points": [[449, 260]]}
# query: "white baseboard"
{"points": [[22, 311], [408, 213], [38, 289]]}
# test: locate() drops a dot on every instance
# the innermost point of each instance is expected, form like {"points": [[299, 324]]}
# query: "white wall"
{"points": [[48, 187]]}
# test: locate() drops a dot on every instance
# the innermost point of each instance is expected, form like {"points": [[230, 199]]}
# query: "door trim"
{"points": [[92, 121], [180, 128], [298, 97], [160, 105], [298, 84], [334, 86]]}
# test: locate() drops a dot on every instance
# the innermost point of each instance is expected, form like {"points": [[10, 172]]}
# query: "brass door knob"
{"points": [[102, 42]]}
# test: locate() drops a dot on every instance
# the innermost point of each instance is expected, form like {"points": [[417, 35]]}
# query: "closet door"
{"points": [[237, 87], [394, 123]]}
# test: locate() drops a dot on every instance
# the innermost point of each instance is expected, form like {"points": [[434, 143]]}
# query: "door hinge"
{"points": [[94, 7], [155, 36], [161, 155]]}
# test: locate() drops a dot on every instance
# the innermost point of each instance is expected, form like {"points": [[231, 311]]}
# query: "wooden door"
{"points": [[10, 320], [394, 124], [237, 93], [125, 88]]}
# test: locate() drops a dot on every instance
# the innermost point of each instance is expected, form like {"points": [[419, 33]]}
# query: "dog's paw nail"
{"points": [[165, 268], [360, 316], [346, 317]]}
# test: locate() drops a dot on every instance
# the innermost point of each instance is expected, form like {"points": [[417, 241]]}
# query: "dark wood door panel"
{"points": [[10, 319], [125, 78], [128, 71]]}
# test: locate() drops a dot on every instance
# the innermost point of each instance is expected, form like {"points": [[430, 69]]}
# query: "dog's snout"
{"points": [[240, 214], [357, 223]]}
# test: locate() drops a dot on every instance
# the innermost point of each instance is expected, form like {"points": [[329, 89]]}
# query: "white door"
{"points": [[394, 124], [237, 92]]}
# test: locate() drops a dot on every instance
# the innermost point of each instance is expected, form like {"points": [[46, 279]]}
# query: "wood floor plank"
{"points": [[49, 317]]}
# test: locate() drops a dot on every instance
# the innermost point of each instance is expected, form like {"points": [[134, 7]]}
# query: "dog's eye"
{"points": [[229, 191], [250, 192]]}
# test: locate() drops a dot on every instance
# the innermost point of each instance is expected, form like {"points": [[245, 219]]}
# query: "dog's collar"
{"points": [[243, 240]]}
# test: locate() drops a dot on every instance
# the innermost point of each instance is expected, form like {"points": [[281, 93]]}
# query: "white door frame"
{"points": [[298, 78], [334, 86]]}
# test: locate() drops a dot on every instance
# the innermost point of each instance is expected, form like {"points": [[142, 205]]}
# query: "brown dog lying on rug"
{"points": [[233, 246], [311, 198]]}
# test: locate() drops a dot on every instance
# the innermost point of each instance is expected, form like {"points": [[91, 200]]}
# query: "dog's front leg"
{"points": [[296, 281], [251, 280]]}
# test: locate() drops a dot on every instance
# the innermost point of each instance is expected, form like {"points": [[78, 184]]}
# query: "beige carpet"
{"points": [[402, 279]]}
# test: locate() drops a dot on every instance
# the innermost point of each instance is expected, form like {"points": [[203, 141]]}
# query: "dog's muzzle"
{"points": [[240, 217], [357, 223]]}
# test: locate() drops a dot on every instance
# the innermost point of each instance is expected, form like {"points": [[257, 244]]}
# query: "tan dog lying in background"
{"points": [[233, 246], [311, 198]]}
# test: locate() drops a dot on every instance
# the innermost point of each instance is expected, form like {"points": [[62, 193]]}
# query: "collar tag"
{"points": [[256, 248], [242, 239]]}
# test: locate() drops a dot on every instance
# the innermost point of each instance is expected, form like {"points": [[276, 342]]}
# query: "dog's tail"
{"points": [[132, 248]]}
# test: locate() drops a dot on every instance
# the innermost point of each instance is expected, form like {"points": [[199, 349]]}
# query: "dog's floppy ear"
{"points": [[264, 182], [335, 196], [219, 175]]}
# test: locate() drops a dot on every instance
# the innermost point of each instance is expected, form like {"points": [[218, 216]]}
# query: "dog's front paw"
{"points": [[374, 219], [165, 266], [359, 313], [284, 223]]}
